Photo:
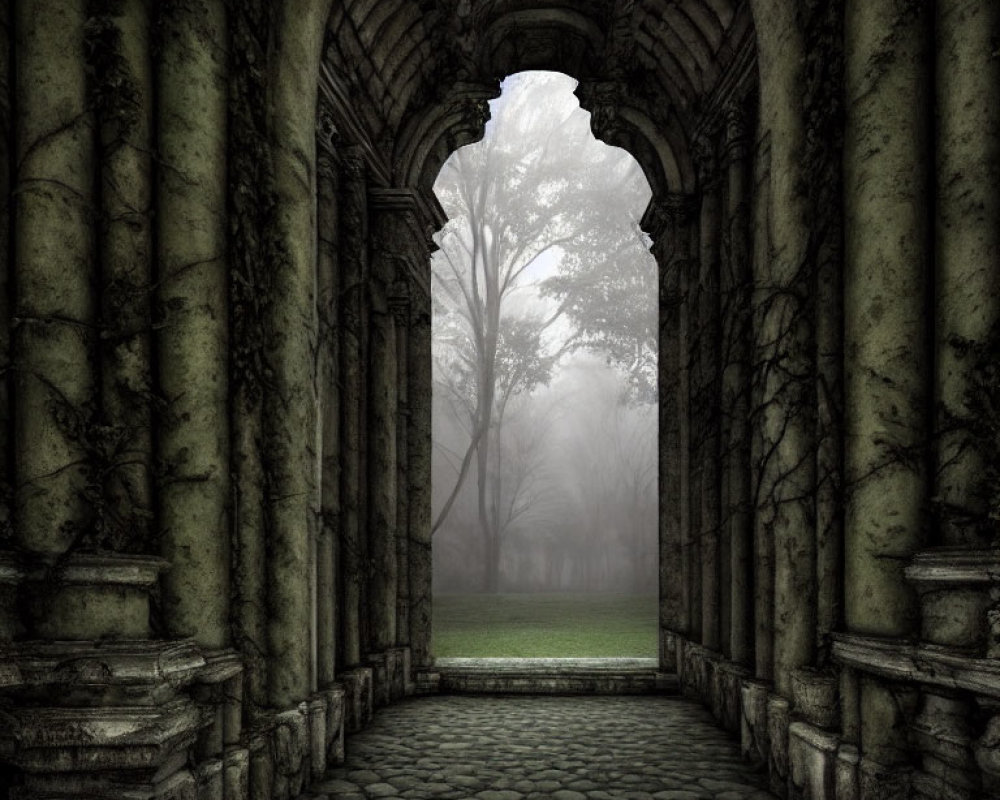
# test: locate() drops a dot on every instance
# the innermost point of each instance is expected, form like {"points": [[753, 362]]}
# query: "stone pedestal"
{"points": [[815, 697], [778, 720], [954, 587], [812, 759], [91, 596], [141, 719], [358, 699], [847, 773], [754, 742]]}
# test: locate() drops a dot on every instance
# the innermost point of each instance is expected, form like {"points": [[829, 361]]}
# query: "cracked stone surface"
{"points": [[528, 748]]}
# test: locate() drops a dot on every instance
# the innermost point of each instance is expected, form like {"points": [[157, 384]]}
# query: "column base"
{"points": [[358, 698], [812, 760]]}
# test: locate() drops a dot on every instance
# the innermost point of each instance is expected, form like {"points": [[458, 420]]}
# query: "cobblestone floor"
{"points": [[528, 748]]}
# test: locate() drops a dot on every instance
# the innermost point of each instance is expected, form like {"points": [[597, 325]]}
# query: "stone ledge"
{"points": [[919, 663], [552, 675], [121, 737], [954, 566], [136, 662]]}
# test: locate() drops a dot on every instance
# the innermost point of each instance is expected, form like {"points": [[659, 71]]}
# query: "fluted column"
{"points": [[887, 386], [967, 295], [193, 340], [736, 385], [353, 260]]}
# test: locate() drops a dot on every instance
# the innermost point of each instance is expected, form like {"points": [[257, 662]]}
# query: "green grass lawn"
{"points": [[545, 625]]}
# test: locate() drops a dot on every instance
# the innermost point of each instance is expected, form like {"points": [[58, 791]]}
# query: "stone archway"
{"points": [[214, 340]]}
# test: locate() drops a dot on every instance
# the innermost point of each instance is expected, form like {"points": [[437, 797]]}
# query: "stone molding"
{"points": [[954, 566], [102, 569], [929, 664]]}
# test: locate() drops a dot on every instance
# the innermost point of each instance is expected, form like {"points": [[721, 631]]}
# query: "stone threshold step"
{"points": [[554, 676]]}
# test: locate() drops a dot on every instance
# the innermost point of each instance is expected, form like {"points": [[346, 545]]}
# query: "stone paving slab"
{"points": [[542, 748]]}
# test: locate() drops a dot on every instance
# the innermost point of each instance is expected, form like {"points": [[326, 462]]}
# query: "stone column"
{"points": [[290, 404], [382, 407], [122, 75], [887, 387], [6, 145], [763, 539], [736, 388], [353, 260], [668, 222], [327, 268], [690, 433], [784, 305], [54, 154], [967, 292], [710, 231], [418, 449], [399, 305], [193, 335]]}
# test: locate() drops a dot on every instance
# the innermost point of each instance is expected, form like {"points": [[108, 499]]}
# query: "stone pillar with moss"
{"points": [[353, 226], [967, 258], [329, 392], [735, 388], [708, 392], [383, 409], [192, 341], [54, 271], [887, 347]]}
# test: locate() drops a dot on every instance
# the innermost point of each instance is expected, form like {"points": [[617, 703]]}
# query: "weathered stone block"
{"points": [[942, 734], [754, 742], [379, 664], [668, 651], [777, 734], [427, 682], [317, 736], [92, 597], [291, 749], [815, 695], [931, 787], [879, 782], [987, 750], [847, 773], [812, 759], [358, 699], [334, 725], [730, 689], [209, 778], [261, 768], [397, 663], [236, 774], [954, 586]]}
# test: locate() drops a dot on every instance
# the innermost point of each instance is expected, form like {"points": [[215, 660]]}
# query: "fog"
{"points": [[544, 337]]}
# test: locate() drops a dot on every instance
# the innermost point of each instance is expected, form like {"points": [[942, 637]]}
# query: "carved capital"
{"points": [[602, 100]]}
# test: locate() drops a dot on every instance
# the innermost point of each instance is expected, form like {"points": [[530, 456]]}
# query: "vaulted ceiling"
{"points": [[416, 73]]}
